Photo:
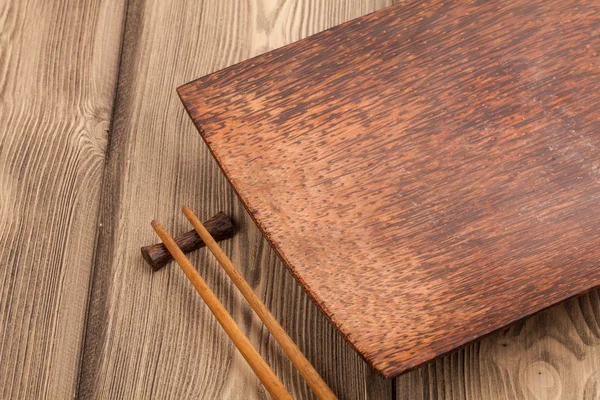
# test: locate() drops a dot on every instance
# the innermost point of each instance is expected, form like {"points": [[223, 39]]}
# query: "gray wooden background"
{"points": [[94, 143]]}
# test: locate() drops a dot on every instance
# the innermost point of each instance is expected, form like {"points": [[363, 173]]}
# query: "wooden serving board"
{"points": [[429, 173]]}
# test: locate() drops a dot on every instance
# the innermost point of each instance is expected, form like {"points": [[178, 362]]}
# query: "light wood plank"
{"points": [[157, 163], [552, 355], [58, 73]]}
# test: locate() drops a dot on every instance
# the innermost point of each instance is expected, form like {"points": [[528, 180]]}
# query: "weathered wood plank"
{"points": [[553, 355], [150, 335], [58, 73], [54, 237]]}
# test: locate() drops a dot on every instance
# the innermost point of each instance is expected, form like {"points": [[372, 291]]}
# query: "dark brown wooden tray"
{"points": [[429, 173]]}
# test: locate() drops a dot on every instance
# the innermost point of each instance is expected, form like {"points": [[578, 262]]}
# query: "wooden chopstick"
{"points": [[308, 372], [256, 362]]}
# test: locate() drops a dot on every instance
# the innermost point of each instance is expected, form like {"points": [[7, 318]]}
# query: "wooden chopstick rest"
{"points": [[256, 362], [308, 372], [220, 226]]}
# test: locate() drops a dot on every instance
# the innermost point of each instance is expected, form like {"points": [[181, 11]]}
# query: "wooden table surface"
{"points": [[95, 143]]}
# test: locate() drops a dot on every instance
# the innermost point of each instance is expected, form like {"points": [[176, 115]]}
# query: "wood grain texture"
{"points": [[156, 163], [552, 356], [51, 150], [58, 73], [428, 172]]}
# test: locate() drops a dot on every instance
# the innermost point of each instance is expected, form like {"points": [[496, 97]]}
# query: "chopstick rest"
{"points": [[220, 226]]}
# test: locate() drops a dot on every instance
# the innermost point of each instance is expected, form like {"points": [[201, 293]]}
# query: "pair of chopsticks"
{"points": [[254, 359]]}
